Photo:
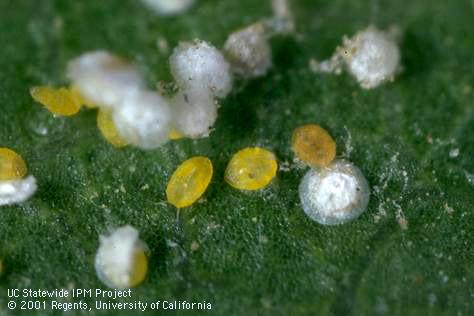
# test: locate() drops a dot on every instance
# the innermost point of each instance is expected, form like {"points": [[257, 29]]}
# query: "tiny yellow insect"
{"points": [[251, 168], [60, 101], [189, 181], [139, 268], [108, 129], [313, 145], [12, 165]]}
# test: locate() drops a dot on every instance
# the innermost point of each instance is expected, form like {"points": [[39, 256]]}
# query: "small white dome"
{"points": [[143, 119], [169, 7], [17, 191], [372, 57], [199, 65], [119, 256], [249, 52], [194, 112], [334, 195], [103, 78]]}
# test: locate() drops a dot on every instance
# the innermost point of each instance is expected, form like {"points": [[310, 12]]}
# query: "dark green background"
{"points": [[259, 253]]}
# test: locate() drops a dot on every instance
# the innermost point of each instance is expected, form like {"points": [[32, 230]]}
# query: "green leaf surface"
{"points": [[258, 252]]}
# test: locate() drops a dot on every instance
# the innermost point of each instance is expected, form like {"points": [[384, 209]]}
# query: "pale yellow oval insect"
{"points": [[12, 165], [59, 101], [108, 129], [251, 168], [189, 181], [313, 145]]}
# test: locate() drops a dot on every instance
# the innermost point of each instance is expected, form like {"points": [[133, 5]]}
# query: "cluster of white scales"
{"points": [[203, 74]]}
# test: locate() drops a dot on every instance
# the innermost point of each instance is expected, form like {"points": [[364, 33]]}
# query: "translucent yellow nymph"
{"points": [[313, 145], [251, 168], [140, 268], [61, 101], [189, 181], [108, 129], [12, 165]]}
